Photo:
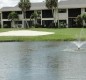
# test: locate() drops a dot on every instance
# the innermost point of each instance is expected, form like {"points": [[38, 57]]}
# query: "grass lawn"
{"points": [[62, 34]]}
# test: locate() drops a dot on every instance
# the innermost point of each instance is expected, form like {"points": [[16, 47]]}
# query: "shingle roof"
{"points": [[34, 6], [72, 4], [41, 5]]}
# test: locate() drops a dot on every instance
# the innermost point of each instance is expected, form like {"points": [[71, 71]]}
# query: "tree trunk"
{"points": [[35, 20], [23, 20], [53, 13], [57, 14], [13, 24], [26, 23], [83, 23]]}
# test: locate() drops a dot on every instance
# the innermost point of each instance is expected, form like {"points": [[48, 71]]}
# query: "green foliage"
{"points": [[24, 5], [35, 16], [62, 25], [52, 25], [51, 4], [79, 21], [38, 26], [84, 16], [13, 16], [5, 26]]}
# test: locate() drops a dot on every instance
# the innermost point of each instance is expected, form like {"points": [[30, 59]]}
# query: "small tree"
{"points": [[84, 19], [79, 21], [13, 16], [35, 16]]}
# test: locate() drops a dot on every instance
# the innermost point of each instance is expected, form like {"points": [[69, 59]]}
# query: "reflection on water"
{"points": [[41, 61]]}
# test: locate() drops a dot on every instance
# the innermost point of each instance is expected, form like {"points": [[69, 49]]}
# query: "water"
{"points": [[42, 61], [79, 43]]}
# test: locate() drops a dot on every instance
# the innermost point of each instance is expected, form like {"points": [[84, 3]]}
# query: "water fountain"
{"points": [[80, 43]]}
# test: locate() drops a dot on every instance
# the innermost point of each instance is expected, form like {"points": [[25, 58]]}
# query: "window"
{"points": [[74, 12], [19, 12], [5, 14], [47, 14], [62, 10]]}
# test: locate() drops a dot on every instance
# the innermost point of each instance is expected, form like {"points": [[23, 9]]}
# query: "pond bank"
{"points": [[63, 34]]}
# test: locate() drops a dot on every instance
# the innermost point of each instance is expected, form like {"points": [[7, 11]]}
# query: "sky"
{"points": [[5, 3]]}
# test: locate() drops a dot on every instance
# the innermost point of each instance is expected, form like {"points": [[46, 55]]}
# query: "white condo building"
{"points": [[68, 11]]}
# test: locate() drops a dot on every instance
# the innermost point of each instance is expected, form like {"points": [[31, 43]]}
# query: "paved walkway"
{"points": [[25, 33]]}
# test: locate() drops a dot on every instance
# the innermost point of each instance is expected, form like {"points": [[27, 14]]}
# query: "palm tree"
{"points": [[13, 16], [53, 4], [35, 16], [24, 5]]}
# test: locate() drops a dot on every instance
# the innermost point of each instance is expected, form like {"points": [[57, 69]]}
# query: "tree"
{"points": [[79, 21], [53, 4], [35, 16], [84, 19], [13, 16], [24, 5]]}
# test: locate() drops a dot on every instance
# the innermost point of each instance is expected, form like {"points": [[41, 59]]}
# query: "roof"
{"points": [[34, 6], [41, 5], [72, 4]]}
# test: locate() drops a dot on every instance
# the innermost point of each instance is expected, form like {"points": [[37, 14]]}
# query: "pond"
{"points": [[42, 61]]}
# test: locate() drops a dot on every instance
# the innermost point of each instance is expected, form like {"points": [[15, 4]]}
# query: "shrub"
{"points": [[52, 25], [62, 25], [38, 25], [19, 26], [5, 26], [79, 21]]}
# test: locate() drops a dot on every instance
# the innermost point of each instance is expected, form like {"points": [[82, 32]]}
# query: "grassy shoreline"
{"points": [[62, 34]]}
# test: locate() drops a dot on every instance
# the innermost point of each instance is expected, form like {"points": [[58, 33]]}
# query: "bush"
{"points": [[5, 26], [39, 26], [19, 25], [79, 21], [62, 25], [52, 25]]}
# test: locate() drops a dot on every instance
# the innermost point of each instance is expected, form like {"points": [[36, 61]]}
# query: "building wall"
{"points": [[61, 16]]}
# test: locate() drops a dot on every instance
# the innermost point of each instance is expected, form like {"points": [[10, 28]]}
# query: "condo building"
{"points": [[68, 11]]}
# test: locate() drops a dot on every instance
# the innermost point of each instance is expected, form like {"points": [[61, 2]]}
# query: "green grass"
{"points": [[62, 34]]}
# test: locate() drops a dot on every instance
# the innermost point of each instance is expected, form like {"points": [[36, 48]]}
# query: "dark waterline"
{"points": [[42, 61]]}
